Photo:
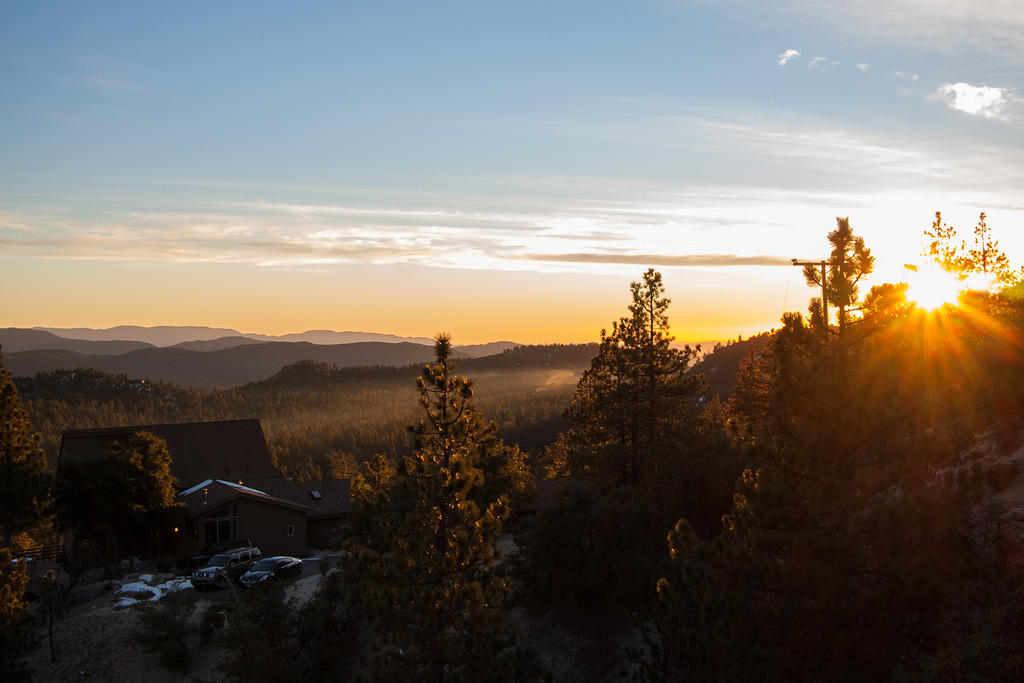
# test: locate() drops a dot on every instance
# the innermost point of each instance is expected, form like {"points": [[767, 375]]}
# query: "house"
{"points": [[327, 501], [230, 486], [223, 510]]}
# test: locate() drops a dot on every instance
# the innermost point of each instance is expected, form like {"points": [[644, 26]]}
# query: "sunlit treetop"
{"points": [[953, 267], [982, 257]]}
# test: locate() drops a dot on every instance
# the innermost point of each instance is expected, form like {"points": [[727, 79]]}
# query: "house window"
{"points": [[291, 530], [221, 524]]}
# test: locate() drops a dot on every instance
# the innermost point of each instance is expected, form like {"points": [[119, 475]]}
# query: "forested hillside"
{"points": [[220, 367], [310, 409]]}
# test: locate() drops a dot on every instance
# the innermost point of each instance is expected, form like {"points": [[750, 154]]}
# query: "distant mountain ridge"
{"points": [[14, 340], [348, 337], [173, 335], [161, 335], [218, 344], [220, 368]]}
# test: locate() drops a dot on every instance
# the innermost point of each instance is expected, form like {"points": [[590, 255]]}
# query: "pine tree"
{"points": [[15, 637], [844, 537], [983, 256], [942, 247], [639, 459], [986, 254], [126, 497], [24, 479], [849, 261], [632, 400], [424, 557]]}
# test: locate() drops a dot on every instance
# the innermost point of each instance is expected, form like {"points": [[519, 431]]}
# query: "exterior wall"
{"points": [[268, 525], [323, 531]]}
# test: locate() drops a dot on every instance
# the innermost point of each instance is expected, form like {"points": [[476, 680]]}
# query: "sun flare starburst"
{"points": [[930, 287]]}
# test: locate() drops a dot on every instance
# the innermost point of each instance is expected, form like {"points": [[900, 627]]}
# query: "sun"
{"points": [[931, 287]]}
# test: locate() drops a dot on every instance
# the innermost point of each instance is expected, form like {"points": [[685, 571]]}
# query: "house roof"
{"points": [[211, 493], [222, 460], [324, 497], [231, 450]]}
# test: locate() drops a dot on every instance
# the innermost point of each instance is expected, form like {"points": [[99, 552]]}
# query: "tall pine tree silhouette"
{"points": [[24, 479], [632, 399], [849, 261], [424, 559]]}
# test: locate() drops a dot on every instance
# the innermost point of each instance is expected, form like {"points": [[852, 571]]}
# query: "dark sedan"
{"points": [[271, 569]]}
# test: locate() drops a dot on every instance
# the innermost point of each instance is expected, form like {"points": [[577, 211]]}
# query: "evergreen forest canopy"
{"points": [[318, 418], [841, 515]]}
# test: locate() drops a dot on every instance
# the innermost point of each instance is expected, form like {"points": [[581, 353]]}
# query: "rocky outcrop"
{"points": [[995, 524]]}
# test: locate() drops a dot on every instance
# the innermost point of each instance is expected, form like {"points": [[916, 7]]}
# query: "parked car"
{"points": [[271, 569], [211, 549], [225, 567]]}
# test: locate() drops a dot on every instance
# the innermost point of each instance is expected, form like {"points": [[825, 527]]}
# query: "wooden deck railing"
{"points": [[43, 552]]}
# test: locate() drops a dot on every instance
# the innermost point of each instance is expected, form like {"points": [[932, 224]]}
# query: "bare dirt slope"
{"points": [[94, 642]]}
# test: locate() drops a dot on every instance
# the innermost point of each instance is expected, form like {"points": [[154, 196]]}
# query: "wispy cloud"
{"points": [[977, 100], [792, 190], [111, 87], [689, 260], [995, 27], [821, 63], [786, 56], [863, 66], [14, 222]]}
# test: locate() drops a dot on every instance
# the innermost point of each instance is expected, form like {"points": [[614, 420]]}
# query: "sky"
{"points": [[494, 170]]}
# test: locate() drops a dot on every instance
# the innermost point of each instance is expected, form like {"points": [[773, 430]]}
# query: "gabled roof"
{"points": [[211, 493], [324, 497], [231, 450]]}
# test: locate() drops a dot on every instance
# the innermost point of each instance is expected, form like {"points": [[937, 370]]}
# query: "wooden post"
{"points": [[824, 285], [824, 293]]}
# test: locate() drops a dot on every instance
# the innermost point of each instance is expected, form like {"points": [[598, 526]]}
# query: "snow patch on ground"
{"points": [[136, 589]]}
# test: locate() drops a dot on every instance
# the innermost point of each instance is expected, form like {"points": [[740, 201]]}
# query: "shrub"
{"points": [[163, 627]]}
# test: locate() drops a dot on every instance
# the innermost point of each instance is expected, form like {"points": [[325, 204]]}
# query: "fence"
{"points": [[43, 552]]}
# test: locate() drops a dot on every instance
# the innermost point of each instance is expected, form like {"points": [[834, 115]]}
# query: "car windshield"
{"points": [[219, 560], [264, 565]]}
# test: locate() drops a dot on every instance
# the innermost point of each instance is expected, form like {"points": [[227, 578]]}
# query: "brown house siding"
{"points": [[325, 532], [266, 525]]}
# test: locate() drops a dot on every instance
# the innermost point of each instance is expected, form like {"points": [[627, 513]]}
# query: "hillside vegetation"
{"points": [[311, 409]]}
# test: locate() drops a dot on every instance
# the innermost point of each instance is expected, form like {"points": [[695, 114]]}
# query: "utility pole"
{"points": [[823, 263]]}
